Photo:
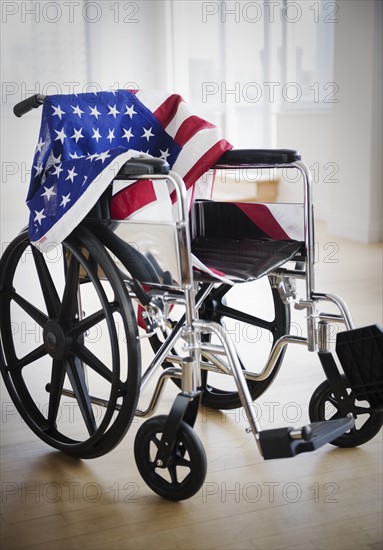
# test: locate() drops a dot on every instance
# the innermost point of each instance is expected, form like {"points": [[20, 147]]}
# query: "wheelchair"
{"points": [[87, 299]]}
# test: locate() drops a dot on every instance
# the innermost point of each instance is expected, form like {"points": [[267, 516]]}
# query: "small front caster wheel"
{"points": [[185, 472], [324, 406]]}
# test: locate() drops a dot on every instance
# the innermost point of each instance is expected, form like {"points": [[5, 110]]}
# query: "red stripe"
{"points": [[167, 110], [261, 216], [204, 164], [189, 128], [131, 199]]}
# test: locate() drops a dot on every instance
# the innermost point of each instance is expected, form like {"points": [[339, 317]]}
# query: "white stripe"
{"points": [[290, 218], [195, 148], [152, 99], [183, 113]]}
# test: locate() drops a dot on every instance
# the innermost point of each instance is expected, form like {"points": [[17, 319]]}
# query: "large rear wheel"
{"points": [[70, 357]]}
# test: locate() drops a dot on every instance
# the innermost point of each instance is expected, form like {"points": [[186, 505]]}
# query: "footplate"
{"points": [[360, 352], [288, 442]]}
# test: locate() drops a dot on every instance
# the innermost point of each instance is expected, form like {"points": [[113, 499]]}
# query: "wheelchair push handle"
{"points": [[28, 104]]}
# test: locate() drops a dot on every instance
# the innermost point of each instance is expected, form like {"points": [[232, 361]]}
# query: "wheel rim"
{"points": [[249, 333], [324, 406], [185, 472], [48, 305]]}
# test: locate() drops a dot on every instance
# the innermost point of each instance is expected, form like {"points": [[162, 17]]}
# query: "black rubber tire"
{"points": [[137, 266], [323, 399], [188, 453], [65, 349]]}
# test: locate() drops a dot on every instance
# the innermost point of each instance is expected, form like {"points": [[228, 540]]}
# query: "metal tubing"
{"points": [[274, 354], [180, 189], [162, 353], [332, 317], [239, 377], [323, 337], [188, 384], [308, 226], [338, 302], [294, 273], [171, 372], [160, 357], [94, 400]]}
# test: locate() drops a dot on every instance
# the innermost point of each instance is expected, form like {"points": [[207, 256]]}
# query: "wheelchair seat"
{"points": [[244, 259], [241, 241]]}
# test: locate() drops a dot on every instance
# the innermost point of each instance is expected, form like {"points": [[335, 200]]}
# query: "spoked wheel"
{"points": [[69, 357], [253, 335], [324, 406], [185, 472]]}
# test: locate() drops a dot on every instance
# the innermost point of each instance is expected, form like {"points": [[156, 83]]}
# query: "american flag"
{"points": [[86, 138]]}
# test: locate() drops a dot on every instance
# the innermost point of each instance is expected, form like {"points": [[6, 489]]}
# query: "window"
{"points": [[241, 63]]}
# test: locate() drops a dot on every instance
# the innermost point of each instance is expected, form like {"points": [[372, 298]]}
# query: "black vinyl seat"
{"points": [[244, 259], [227, 240]]}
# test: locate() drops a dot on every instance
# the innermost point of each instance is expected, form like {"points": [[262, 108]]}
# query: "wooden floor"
{"points": [[329, 499]]}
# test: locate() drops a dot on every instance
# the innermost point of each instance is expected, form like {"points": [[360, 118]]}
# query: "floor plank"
{"points": [[330, 499]]}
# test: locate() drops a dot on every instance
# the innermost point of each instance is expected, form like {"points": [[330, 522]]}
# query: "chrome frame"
{"points": [[189, 368]]}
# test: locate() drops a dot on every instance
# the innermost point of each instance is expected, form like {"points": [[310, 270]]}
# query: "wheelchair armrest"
{"points": [[141, 167], [255, 157]]}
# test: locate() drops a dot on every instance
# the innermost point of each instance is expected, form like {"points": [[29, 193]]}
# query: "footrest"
{"points": [[288, 442], [360, 352]]}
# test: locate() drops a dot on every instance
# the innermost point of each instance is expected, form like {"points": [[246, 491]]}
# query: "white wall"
{"points": [[345, 143], [310, 133], [356, 201], [128, 46]]}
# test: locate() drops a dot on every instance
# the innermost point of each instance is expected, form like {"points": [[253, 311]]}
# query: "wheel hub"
{"points": [[56, 342]]}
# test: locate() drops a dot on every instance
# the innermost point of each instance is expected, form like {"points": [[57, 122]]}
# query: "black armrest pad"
{"points": [[249, 157], [141, 167]]}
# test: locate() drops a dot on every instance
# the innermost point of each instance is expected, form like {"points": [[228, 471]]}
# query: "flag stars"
{"points": [[92, 157], [113, 111], [75, 155], [111, 135], [71, 175], [39, 216], [84, 182], [94, 112], [130, 111], [58, 111], [164, 154], [65, 200], [56, 160], [48, 193], [60, 135], [77, 134], [96, 134], [103, 156], [127, 134], [39, 169], [147, 133], [57, 171], [77, 111], [40, 144]]}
